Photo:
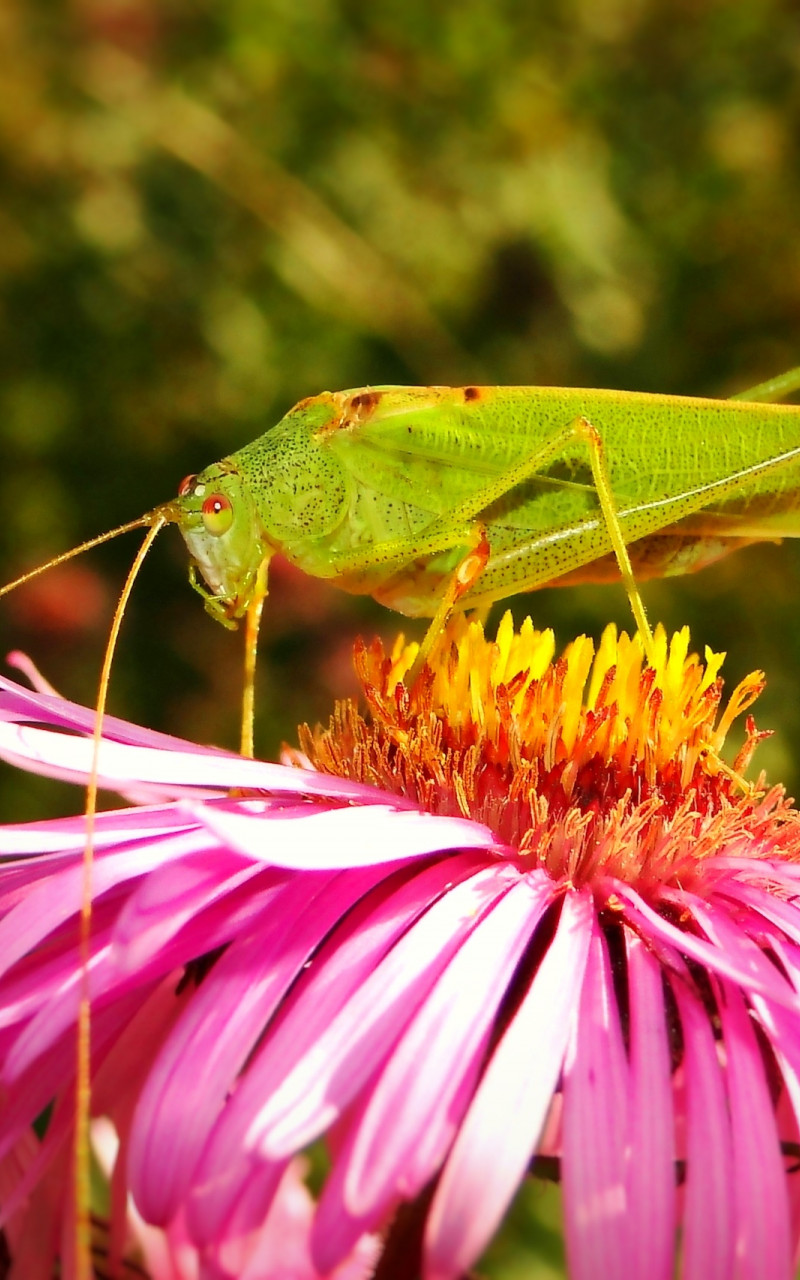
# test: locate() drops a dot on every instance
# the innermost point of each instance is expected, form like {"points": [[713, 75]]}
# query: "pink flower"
{"points": [[537, 921]]}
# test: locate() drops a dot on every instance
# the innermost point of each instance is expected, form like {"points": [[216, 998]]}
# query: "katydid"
{"points": [[431, 498], [435, 498]]}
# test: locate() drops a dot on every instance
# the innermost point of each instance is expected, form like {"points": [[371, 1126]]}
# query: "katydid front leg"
{"points": [[465, 576], [252, 627]]}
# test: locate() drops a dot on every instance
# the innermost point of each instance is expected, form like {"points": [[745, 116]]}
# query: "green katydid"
{"points": [[431, 498], [428, 498], [435, 498]]}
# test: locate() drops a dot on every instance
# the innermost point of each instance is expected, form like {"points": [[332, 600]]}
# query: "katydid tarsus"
{"points": [[437, 498]]}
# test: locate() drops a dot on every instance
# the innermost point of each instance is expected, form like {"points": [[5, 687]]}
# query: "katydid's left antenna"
{"points": [[149, 519]]}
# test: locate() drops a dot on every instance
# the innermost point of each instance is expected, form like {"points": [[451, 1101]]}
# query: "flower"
{"points": [[520, 917]]}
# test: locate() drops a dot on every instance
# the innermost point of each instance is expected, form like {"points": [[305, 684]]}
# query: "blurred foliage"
{"points": [[210, 210]]}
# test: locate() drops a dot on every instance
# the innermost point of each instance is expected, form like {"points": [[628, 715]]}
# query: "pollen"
{"points": [[589, 763]]}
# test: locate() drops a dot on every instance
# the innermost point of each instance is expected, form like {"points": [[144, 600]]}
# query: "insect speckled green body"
{"points": [[381, 490]]}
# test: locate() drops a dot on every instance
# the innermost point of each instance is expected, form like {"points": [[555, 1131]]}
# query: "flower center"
{"points": [[588, 763]]}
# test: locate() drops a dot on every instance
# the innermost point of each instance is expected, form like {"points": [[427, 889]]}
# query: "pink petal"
{"points": [[736, 966], [57, 899], [512, 1099], [55, 1015], [336, 1228], [19, 703], [732, 940], [34, 1242], [397, 1138], [402, 1137], [762, 1208], [709, 1210], [233, 1250], [37, 979], [68, 835], [220, 1028], [55, 1020], [161, 905], [171, 771], [651, 1194], [36, 1089], [780, 1028], [329, 996], [600, 1235], [339, 968], [772, 908], [354, 837], [317, 1089]]}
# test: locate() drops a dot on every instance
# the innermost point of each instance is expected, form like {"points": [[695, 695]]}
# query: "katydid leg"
{"points": [[586, 432], [458, 527], [605, 495], [252, 625], [467, 572]]}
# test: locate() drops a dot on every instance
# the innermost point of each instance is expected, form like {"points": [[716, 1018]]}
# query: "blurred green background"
{"points": [[210, 210]]}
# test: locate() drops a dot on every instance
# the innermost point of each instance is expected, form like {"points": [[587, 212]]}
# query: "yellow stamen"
{"points": [[591, 762]]}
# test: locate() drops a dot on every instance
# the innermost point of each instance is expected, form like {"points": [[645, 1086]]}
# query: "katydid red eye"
{"points": [[186, 485], [217, 514]]}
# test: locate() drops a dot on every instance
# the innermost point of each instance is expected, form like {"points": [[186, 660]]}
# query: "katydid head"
{"points": [[219, 523], [287, 492]]}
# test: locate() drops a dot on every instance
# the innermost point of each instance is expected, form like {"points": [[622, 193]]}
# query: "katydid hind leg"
{"points": [[456, 528], [588, 434], [605, 496], [518, 568]]}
